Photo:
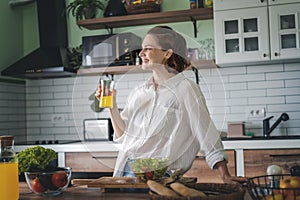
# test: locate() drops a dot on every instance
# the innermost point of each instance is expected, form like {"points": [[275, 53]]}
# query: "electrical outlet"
{"points": [[255, 112], [57, 118]]}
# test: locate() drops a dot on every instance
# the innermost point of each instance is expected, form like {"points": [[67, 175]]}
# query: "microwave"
{"points": [[110, 50], [98, 129]]}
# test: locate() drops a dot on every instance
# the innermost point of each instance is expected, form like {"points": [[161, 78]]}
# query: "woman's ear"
{"points": [[168, 53]]}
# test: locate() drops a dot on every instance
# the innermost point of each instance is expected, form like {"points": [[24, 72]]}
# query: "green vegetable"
{"points": [[158, 166], [35, 158]]}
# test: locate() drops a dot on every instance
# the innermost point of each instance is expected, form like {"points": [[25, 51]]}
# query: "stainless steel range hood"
{"points": [[50, 59]]}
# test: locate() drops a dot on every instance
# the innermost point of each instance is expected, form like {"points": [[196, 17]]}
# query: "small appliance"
{"points": [[110, 50], [99, 129]]}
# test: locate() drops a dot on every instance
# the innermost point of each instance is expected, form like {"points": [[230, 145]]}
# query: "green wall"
{"points": [[19, 31]]}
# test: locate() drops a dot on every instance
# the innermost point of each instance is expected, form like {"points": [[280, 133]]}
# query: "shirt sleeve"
{"points": [[202, 126]]}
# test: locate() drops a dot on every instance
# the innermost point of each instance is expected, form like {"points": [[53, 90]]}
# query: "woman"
{"points": [[167, 116]]}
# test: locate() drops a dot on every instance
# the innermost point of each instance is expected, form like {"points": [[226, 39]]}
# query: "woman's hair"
{"points": [[167, 38]]}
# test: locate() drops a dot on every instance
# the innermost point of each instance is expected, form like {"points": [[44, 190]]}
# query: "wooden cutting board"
{"points": [[110, 182]]}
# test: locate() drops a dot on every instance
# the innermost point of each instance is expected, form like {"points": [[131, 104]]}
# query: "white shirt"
{"points": [[171, 122]]}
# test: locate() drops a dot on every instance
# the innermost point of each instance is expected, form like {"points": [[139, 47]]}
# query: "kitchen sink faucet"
{"points": [[266, 124]]}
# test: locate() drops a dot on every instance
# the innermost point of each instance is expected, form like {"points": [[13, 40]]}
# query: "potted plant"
{"points": [[84, 9]]}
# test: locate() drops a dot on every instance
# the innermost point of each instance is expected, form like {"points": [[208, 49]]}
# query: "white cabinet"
{"points": [[256, 31]]}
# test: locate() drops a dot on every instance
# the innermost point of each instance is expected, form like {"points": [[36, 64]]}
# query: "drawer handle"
{"points": [[103, 157], [284, 155]]}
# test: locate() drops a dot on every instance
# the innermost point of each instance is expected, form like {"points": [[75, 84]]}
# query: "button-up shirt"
{"points": [[169, 122]]}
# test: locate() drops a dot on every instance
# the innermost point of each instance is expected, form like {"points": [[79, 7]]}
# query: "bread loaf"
{"points": [[186, 191], [160, 189]]}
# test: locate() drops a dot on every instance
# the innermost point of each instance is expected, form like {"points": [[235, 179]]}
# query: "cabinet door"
{"points": [[276, 2], [285, 31], [234, 4], [241, 34], [205, 174], [257, 161], [91, 161]]}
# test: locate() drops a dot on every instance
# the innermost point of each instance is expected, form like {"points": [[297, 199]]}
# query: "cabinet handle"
{"points": [[261, 1], [276, 54], [265, 55], [104, 157], [284, 155]]}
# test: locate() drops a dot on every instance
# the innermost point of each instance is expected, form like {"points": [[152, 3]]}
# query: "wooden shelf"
{"points": [[96, 71], [147, 18]]}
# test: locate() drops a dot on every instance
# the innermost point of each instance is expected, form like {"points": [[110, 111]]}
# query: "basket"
{"points": [[268, 188], [214, 191], [149, 7]]}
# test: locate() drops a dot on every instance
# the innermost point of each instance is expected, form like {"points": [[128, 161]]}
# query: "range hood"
{"points": [[50, 59]]}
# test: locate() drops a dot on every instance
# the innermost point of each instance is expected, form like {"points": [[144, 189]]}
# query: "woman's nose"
{"points": [[141, 53]]}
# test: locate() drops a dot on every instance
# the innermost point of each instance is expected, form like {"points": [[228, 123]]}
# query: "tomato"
{"points": [[59, 179], [36, 186]]}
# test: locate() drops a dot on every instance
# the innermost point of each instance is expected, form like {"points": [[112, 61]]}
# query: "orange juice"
{"points": [[106, 102], [9, 181]]}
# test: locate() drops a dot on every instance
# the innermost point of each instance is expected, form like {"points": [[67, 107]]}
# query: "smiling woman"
{"points": [[166, 116]]}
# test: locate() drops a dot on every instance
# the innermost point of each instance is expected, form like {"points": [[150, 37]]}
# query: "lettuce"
{"points": [[35, 158]]}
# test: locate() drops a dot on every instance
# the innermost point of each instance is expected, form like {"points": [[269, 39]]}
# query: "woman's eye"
{"points": [[147, 49]]}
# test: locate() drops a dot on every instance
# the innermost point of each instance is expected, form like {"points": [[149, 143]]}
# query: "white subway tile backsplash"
{"points": [[228, 92]]}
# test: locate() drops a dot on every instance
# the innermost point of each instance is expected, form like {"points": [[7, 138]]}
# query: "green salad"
{"points": [[156, 165]]}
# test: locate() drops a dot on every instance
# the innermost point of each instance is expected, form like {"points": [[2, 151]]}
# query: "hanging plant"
{"points": [[84, 9]]}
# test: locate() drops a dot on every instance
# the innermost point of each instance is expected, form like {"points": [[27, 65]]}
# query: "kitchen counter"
{"points": [[82, 192]]}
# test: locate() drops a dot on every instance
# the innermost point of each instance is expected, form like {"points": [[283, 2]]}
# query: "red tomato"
{"points": [[36, 186], [59, 179]]}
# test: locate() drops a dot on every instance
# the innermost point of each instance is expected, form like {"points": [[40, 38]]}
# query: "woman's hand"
{"points": [[226, 177]]}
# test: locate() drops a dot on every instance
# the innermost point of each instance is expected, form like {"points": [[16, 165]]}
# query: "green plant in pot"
{"points": [[84, 9]]}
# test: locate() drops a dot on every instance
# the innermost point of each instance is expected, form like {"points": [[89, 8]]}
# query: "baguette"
{"points": [[160, 189], [186, 191]]}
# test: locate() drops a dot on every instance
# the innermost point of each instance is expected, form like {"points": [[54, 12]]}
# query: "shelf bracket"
{"points": [[194, 21], [109, 29], [195, 70]]}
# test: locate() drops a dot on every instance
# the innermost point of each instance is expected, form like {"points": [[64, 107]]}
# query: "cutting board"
{"points": [[110, 182]]}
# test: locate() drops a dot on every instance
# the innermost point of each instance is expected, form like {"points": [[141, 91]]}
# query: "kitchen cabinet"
{"points": [[205, 174], [256, 162], [257, 31], [91, 161]]}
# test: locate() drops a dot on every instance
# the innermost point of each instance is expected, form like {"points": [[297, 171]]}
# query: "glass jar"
{"points": [[9, 181]]}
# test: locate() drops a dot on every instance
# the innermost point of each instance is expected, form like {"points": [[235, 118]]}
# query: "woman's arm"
{"points": [[116, 120], [225, 175]]}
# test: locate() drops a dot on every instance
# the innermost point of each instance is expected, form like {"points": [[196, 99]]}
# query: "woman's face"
{"points": [[152, 54]]}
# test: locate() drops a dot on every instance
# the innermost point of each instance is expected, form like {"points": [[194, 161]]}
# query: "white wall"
{"points": [[228, 91]]}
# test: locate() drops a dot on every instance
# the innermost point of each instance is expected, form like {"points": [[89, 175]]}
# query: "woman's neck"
{"points": [[162, 75]]}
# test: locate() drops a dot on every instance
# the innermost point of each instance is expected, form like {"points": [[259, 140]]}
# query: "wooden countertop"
{"points": [[82, 192]]}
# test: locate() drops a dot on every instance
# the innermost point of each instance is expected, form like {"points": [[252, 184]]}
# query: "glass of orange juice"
{"points": [[106, 98], [9, 180]]}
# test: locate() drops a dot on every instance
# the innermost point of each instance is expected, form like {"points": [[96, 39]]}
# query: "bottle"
{"points": [[9, 181], [193, 4]]}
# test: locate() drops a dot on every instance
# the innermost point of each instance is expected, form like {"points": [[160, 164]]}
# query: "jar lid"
{"points": [[6, 140]]}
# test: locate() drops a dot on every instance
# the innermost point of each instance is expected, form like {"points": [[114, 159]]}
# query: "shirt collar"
{"points": [[171, 82]]}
